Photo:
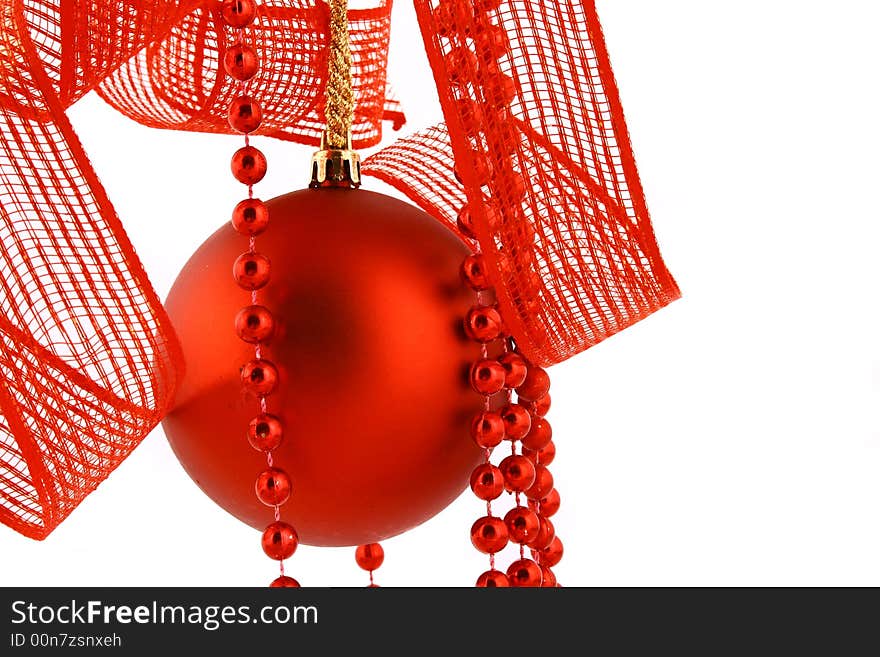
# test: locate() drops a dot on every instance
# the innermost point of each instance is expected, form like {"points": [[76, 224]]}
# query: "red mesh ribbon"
{"points": [[549, 179], [88, 360]]}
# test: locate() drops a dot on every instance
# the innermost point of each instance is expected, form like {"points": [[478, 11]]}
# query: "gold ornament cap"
{"points": [[336, 167]]}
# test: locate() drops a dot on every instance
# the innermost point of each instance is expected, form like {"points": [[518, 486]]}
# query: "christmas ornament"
{"points": [[532, 168], [366, 304]]}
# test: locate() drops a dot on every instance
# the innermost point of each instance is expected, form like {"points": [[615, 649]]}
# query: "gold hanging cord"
{"points": [[336, 163]]}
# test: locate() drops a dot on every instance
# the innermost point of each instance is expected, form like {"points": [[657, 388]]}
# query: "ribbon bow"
{"points": [[534, 159]]}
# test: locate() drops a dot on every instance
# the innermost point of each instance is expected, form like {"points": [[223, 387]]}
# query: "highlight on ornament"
{"points": [[389, 352]]}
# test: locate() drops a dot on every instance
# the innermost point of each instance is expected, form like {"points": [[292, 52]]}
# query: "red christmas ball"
{"points": [[369, 353]]}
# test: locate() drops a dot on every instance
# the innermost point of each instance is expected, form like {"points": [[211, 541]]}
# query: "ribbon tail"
{"points": [[88, 359]]}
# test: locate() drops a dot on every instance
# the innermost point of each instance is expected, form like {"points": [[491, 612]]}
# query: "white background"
{"points": [[730, 439]]}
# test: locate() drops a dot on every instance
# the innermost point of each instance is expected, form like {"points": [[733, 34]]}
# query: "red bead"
{"points": [[515, 367], [259, 376], [470, 116], [524, 572], [284, 582], [492, 579], [240, 62], [517, 421], [487, 376], [251, 271], [265, 432], [254, 324], [248, 165], [479, 165], [370, 556], [499, 90], [539, 436], [543, 484], [544, 456], [250, 217], [549, 579], [546, 534], [279, 541], [466, 223], [487, 482], [548, 506], [536, 385], [473, 272], [487, 429], [492, 42], [552, 554], [541, 406], [483, 324], [518, 471], [460, 64], [522, 524], [489, 534], [444, 20], [273, 487], [238, 13], [245, 114]]}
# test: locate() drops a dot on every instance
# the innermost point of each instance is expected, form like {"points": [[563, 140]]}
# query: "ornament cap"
{"points": [[335, 167]]}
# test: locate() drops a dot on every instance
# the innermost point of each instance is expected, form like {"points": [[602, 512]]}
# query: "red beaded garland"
{"points": [[487, 376], [251, 271], [548, 578], [543, 483], [254, 324], [536, 385], [518, 471], [489, 534], [493, 579], [259, 377], [552, 554], [483, 324], [248, 165], [517, 421], [279, 541], [487, 482], [240, 62], [284, 582], [265, 432], [487, 429], [524, 572], [238, 13], [250, 217], [245, 114], [273, 487], [522, 524], [369, 556]]}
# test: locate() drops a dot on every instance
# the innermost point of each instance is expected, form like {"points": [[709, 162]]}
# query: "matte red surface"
{"points": [[373, 367]]}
